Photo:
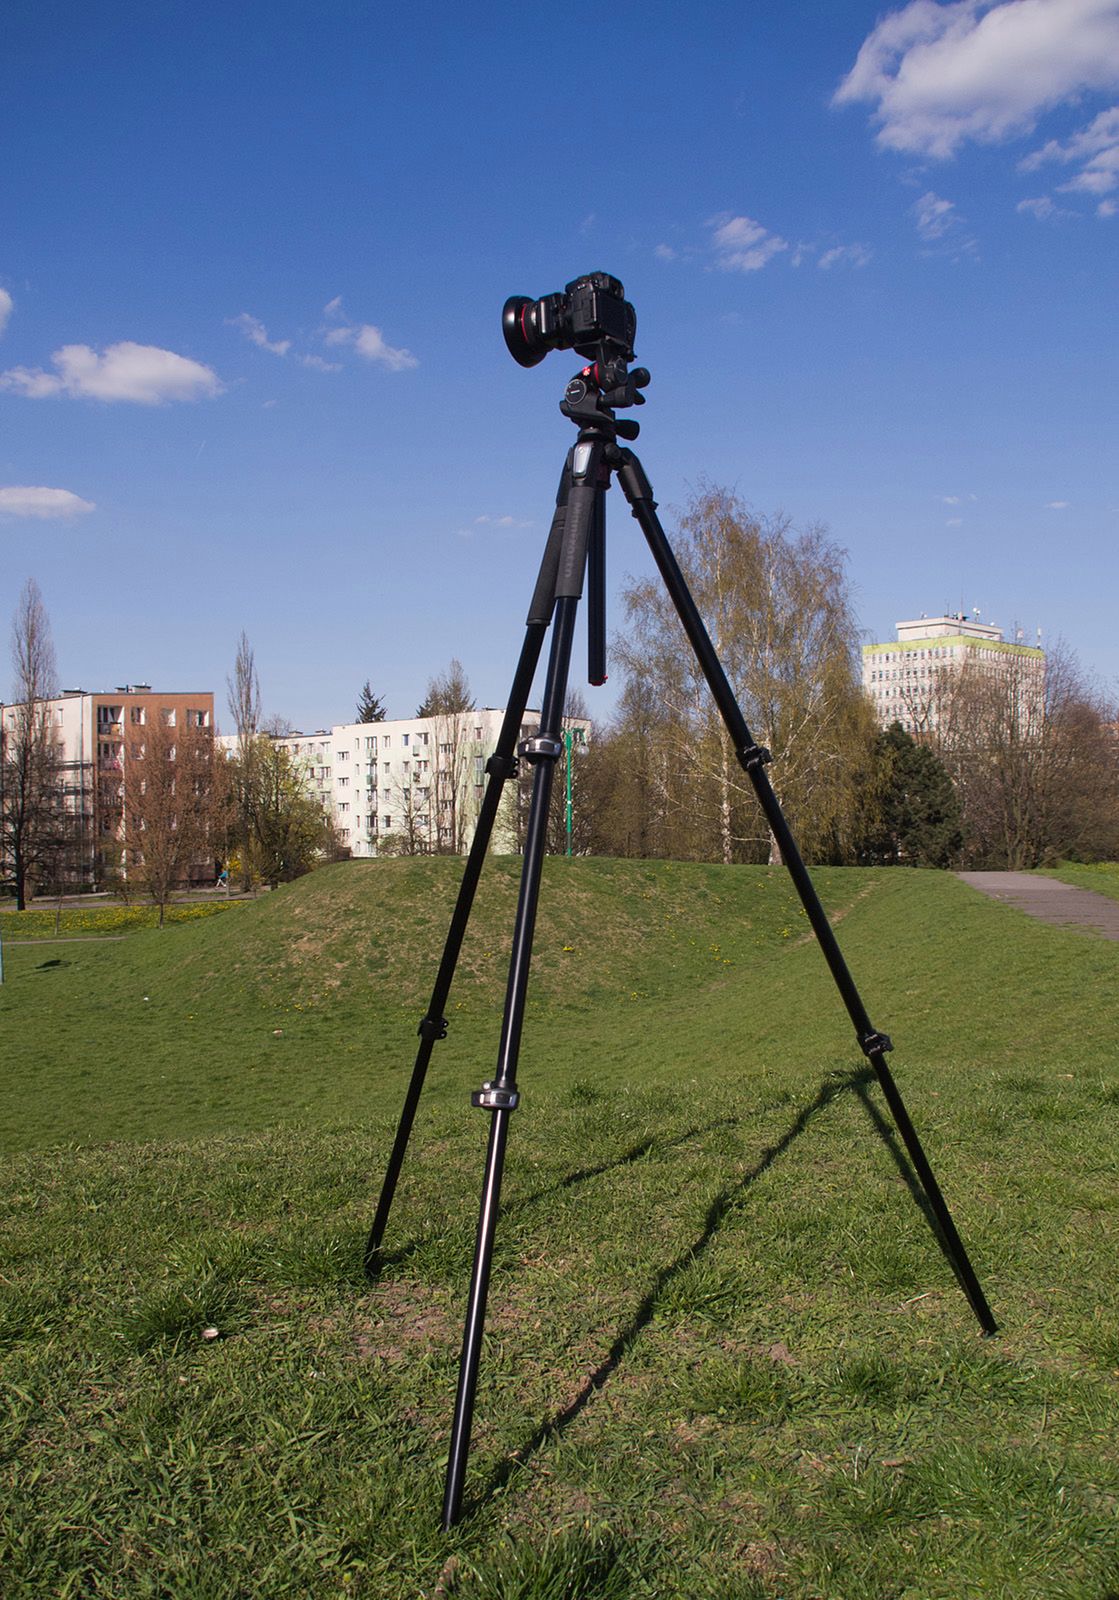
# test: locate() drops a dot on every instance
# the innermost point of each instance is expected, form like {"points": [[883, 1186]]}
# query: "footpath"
{"points": [[1050, 901]]}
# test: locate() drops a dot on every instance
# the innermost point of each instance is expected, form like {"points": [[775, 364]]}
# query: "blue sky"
{"points": [[252, 265]]}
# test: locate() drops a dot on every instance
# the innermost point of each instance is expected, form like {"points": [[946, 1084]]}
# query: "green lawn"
{"points": [[101, 920], [725, 1355], [1102, 876]]}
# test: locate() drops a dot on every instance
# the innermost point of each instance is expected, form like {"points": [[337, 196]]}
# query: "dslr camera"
{"points": [[592, 317]]}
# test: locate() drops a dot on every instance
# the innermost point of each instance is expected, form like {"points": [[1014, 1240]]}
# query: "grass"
{"points": [[1102, 876], [99, 920], [725, 1356]]}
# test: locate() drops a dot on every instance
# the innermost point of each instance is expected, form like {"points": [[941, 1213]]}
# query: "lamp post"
{"points": [[571, 738]]}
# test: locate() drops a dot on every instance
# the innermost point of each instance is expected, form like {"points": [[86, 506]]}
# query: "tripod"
{"points": [[575, 548]]}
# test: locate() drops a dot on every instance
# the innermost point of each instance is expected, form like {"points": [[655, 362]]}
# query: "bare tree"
{"points": [[776, 606], [447, 693], [31, 802], [244, 692], [452, 810], [1033, 759], [169, 809], [449, 703]]}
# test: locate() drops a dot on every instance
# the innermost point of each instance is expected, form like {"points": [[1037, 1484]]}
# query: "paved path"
{"points": [[1050, 900]]}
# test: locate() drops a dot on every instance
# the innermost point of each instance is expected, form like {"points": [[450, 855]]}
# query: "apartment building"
{"points": [[901, 675], [96, 735], [413, 785]]}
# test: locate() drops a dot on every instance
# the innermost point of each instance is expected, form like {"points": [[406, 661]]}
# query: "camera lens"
{"points": [[520, 323]]}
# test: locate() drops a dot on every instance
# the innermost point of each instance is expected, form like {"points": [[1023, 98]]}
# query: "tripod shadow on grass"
{"points": [[555, 1426], [889, 1137], [627, 1157]]}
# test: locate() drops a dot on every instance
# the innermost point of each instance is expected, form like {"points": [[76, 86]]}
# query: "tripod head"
{"points": [[592, 317]]}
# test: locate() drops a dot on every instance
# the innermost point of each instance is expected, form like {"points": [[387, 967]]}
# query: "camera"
{"points": [[592, 317]]}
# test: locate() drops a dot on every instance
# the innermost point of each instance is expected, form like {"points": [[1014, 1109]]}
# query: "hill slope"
{"points": [[303, 1005]]}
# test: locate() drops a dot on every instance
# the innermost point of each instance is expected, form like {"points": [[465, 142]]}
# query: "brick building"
{"points": [[96, 736]]}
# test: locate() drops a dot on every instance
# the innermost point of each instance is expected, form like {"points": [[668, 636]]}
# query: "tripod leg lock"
{"points": [[753, 757], [502, 766], [875, 1044], [490, 1098], [534, 750], [432, 1028]]}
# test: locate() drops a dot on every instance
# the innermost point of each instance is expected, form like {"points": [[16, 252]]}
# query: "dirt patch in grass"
{"points": [[403, 1315]]}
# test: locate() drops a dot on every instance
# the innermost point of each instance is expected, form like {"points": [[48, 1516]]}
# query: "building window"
{"points": [[198, 719], [168, 715], [137, 716], [404, 740]]}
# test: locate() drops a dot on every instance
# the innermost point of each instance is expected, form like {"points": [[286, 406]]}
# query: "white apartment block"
{"points": [[413, 785], [900, 675]]}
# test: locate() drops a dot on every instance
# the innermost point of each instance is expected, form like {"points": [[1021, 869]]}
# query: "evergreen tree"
{"points": [[918, 813], [370, 706]]}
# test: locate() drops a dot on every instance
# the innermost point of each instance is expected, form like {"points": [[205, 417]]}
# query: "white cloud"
{"points": [[665, 252], [1095, 148], [23, 500], [1042, 208], [333, 308], [941, 75], [255, 331], [743, 245], [954, 522], [1107, 208], [1056, 505], [844, 255], [5, 308], [369, 342], [320, 365], [141, 373], [500, 522], [935, 217]]}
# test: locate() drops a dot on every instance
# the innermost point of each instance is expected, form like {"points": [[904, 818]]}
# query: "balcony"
{"points": [[105, 729]]}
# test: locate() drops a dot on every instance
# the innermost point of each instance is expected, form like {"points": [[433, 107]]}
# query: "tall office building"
{"points": [[903, 676]]}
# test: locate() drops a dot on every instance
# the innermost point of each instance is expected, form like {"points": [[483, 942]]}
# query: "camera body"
{"points": [[592, 317]]}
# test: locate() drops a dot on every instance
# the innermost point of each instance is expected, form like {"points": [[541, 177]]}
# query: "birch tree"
{"points": [[776, 604]]}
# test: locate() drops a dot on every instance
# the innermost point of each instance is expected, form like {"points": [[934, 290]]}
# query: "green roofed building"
{"points": [[904, 676]]}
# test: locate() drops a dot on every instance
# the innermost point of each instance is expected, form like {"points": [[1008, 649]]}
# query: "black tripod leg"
{"points": [[596, 594], [499, 767], [753, 760], [500, 1096]]}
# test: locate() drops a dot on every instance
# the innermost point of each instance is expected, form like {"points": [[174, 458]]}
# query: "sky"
{"points": [[253, 260]]}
